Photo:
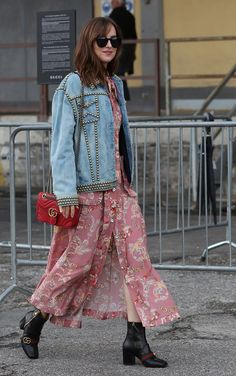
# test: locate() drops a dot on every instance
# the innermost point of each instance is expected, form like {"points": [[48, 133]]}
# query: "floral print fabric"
{"points": [[88, 265]]}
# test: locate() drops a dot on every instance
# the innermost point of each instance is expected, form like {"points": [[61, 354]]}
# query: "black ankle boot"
{"points": [[32, 324], [135, 345]]}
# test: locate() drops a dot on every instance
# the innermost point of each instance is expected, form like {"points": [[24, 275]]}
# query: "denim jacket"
{"points": [[82, 148]]}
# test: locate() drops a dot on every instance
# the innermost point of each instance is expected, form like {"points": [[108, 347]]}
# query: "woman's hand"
{"points": [[68, 210]]}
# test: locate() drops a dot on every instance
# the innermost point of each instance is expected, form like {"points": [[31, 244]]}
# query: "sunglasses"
{"points": [[102, 41]]}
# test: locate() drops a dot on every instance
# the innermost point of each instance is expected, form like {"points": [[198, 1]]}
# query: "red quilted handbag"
{"points": [[47, 210]]}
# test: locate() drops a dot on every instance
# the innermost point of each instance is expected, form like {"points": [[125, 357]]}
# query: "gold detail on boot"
{"points": [[26, 340]]}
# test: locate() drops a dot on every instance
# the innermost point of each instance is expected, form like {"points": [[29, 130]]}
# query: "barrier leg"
{"points": [[11, 288], [216, 245], [229, 200]]}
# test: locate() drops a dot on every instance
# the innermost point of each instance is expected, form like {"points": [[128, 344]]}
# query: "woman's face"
{"points": [[107, 53]]}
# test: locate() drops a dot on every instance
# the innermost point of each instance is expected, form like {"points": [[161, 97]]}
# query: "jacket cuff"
{"points": [[68, 200]]}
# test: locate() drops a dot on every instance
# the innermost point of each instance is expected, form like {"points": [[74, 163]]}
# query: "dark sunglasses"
{"points": [[102, 41]]}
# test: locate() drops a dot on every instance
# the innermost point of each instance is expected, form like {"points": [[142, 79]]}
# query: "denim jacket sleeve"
{"points": [[62, 150]]}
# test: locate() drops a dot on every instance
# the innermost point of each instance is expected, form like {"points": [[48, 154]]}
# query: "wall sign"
{"points": [[55, 45]]}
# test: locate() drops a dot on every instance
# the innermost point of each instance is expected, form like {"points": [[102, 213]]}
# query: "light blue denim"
{"points": [[82, 148]]}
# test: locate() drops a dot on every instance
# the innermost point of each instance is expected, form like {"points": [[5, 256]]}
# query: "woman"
{"points": [[101, 268]]}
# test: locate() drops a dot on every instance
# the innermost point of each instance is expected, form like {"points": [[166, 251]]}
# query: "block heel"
{"points": [[128, 358]]}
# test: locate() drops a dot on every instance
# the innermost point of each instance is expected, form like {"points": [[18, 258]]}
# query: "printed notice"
{"points": [[55, 45]]}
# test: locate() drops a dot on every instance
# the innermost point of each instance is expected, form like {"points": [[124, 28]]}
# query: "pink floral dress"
{"points": [[88, 265]]}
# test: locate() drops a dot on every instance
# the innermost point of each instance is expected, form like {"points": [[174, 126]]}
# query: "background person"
{"points": [[100, 268], [126, 21]]}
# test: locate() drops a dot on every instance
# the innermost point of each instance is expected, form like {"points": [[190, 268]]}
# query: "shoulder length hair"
{"points": [[90, 68]]}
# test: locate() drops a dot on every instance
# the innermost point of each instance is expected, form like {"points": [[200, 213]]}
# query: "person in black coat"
{"points": [[126, 21]]}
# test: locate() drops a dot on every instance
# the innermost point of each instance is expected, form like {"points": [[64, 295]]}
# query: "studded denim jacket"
{"points": [[82, 148]]}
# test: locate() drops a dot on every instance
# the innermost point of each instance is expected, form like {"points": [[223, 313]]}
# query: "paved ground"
{"points": [[203, 342]]}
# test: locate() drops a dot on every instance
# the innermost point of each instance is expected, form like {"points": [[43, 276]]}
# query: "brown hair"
{"points": [[90, 68]]}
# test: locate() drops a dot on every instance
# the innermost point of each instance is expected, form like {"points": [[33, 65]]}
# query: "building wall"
{"points": [[18, 25], [149, 25], [152, 27], [199, 18], [182, 18]]}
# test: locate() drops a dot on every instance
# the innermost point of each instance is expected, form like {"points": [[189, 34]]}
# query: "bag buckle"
{"points": [[52, 212]]}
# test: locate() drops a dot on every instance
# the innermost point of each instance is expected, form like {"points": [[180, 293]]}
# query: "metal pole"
{"points": [[157, 80], [214, 92], [12, 223], [13, 209], [205, 189], [43, 112], [28, 190], [182, 193], [194, 163], [155, 184], [159, 192], [229, 193], [144, 170], [167, 78]]}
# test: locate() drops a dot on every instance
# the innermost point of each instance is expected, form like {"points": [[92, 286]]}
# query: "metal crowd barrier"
{"points": [[163, 180], [178, 212], [25, 143]]}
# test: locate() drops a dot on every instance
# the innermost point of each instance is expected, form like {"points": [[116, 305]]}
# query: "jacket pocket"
{"points": [[90, 110]]}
